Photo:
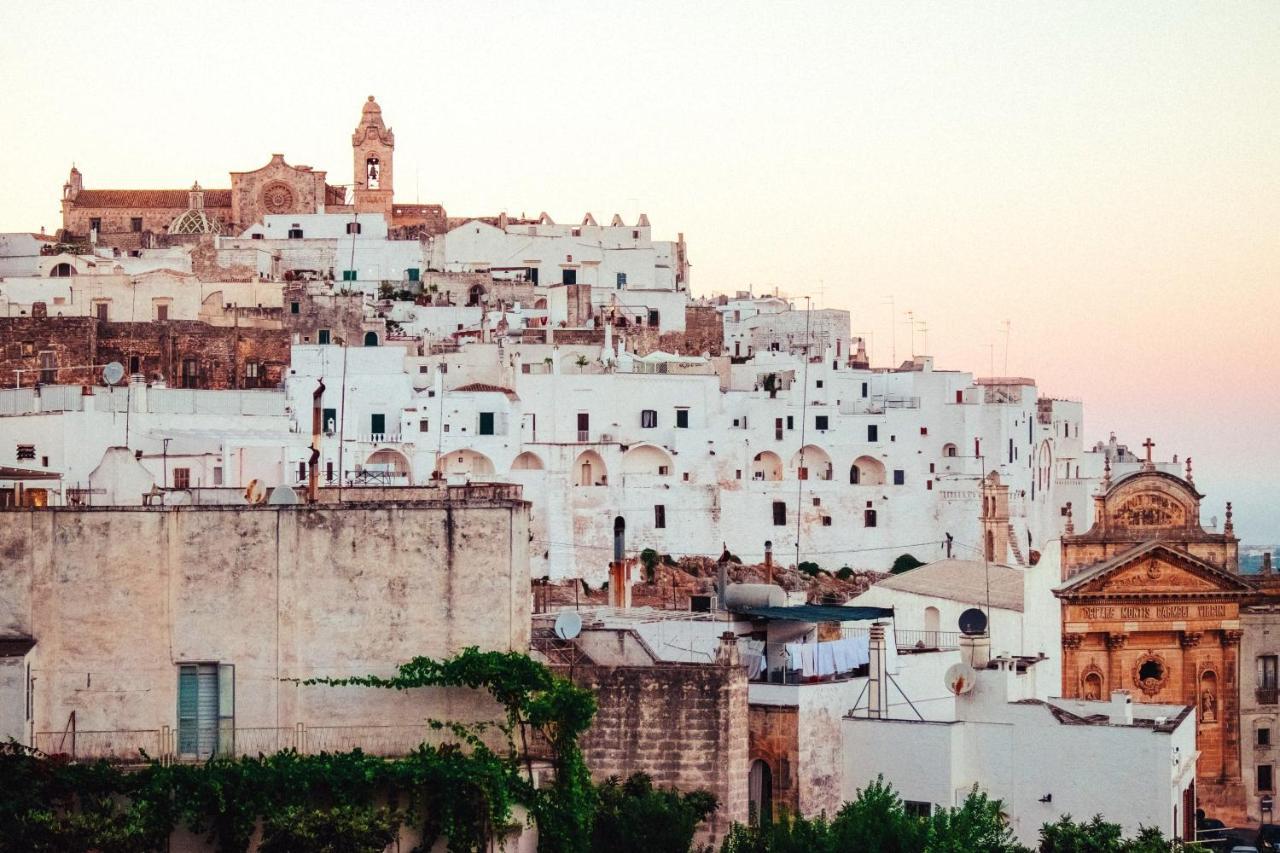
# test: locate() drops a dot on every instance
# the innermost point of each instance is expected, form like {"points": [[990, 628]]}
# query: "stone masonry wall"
{"points": [[683, 724]]}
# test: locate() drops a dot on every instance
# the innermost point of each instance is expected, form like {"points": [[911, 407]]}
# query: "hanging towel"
{"points": [[825, 659]]}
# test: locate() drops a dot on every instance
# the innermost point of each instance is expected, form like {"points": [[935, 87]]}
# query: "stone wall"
{"points": [[214, 357], [116, 598], [683, 724], [775, 740]]}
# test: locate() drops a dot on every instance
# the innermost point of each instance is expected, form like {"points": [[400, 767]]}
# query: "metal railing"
{"points": [[926, 640], [1267, 695], [164, 744]]}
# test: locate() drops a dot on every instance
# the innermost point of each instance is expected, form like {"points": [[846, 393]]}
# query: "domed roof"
{"points": [[195, 221]]}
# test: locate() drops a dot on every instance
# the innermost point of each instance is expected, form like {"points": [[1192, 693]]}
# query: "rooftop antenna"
{"points": [[893, 328], [1006, 324]]}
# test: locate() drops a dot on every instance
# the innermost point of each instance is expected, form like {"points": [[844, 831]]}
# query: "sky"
{"points": [[1105, 177]]}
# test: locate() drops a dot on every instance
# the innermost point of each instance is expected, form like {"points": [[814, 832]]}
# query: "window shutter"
{"points": [[226, 709], [207, 708], [187, 712]]}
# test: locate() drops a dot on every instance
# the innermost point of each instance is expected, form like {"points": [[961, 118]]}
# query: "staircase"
{"points": [[558, 652], [1016, 547]]}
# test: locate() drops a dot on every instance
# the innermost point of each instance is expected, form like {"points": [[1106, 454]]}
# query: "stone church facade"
{"points": [[134, 219], [1151, 604]]}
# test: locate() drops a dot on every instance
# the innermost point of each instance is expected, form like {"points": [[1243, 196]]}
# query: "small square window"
{"points": [[295, 308], [1264, 736], [622, 280], [323, 337], [899, 477], [182, 478], [135, 224], [424, 425], [826, 521], [648, 418], [924, 430], [682, 418], [820, 423], [295, 233], [819, 383]]}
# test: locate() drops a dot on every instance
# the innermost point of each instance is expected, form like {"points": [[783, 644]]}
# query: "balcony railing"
{"points": [[1267, 695], [926, 640], [132, 746]]}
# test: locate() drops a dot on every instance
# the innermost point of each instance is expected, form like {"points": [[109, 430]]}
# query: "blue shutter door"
{"points": [[207, 709], [187, 714]]}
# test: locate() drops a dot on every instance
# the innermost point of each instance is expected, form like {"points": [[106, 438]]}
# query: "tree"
{"points": [[978, 824], [904, 563], [876, 820], [649, 559], [636, 817], [1067, 836]]}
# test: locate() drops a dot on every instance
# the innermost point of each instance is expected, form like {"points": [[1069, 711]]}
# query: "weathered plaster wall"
{"points": [[118, 597]]}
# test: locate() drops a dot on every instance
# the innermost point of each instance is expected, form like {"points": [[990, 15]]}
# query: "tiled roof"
{"points": [[965, 581], [164, 199], [484, 386]]}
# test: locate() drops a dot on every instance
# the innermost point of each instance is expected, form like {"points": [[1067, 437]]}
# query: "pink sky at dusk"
{"points": [[1104, 176]]}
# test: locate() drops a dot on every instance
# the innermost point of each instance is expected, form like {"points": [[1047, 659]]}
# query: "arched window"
{"points": [[371, 339], [62, 270], [619, 539], [948, 450], [760, 793], [1093, 686], [475, 296], [867, 472], [932, 620]]}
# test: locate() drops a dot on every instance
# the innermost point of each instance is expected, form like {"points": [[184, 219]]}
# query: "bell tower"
{"points": [[995, 519], [372, 146]]}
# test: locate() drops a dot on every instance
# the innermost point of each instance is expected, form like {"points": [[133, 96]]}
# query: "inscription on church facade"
{"points": [[1153, 612]]}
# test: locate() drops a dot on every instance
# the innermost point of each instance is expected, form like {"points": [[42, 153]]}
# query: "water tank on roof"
{"points": [[739, 595]]}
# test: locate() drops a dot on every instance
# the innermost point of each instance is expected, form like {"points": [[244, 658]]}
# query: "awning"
{"points": [[817, 613], [9, 473]]}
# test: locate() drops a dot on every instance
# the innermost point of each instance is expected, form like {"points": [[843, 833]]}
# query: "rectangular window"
{"points": [[95, 224], [682, 418], [820, 422], [348, 275], [329, 420], [791, 422], [1267, 671], [873, 432], [302, 471], [960, 396], [622, 280], [584, 426], [899, 477], [135, 223], [206, 708], [1264, 736], [190, 376], [414, 274], [864, 389], [101, 309], [26, 451], [424, 425], [568, 276], [328, 471], [659, 516], [217, 475], [135, 364], [917, 809], [295, 308], [1264, 777], [48, 367], [252, 370], [648, 418], [868, 518], [353, 227], [486, 423], [779, 514], [378, 424], [323, 337], [162, 312], [182, 478], [653, 318], [295, 233]]}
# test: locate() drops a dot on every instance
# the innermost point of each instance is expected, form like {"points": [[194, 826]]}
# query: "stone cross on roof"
{"points": [[1148, 444]]}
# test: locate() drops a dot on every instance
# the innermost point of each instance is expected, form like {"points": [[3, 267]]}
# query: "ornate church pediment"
{"points": [[1154, 569]]}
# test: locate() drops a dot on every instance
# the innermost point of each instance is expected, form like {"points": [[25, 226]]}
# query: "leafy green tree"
{"points": [[876, 820], [1067, 836], [785, 834], [977, 825], [636, 817], [649, 559], [344, 829], [904, 563]]}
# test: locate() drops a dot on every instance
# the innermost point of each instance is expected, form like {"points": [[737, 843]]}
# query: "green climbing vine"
{"points": [[462, 792]]}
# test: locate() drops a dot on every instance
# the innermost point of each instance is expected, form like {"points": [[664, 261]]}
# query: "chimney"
{"points": [[1121, 708], [877, 675], [768, 561], [727, 651], [1266, 562], [975, 649]]}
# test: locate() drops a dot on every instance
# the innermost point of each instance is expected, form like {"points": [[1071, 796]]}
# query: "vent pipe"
{"points": [[768, 561]]}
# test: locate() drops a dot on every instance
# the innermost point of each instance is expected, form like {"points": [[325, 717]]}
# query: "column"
{"points": [[1115, 669], [1229, 704], [1190, 640], [1071, 665]]}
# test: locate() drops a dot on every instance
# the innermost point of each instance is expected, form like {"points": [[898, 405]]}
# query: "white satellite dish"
{"points": [[113, 373], [960, 678], [568, 625]]}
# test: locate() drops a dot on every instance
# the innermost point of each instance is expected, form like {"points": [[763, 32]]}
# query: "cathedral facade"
{"points": [[1151, 604], [135, 219]]}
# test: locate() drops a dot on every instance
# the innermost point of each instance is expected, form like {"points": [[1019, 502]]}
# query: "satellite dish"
{"points": [[568, 625], [973, 622], [960, 678], [283, 496], [255, 493], [113, 373]]}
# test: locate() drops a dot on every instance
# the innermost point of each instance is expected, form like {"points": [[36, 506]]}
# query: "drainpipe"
{"points": [[317, 427], [768, 561]]}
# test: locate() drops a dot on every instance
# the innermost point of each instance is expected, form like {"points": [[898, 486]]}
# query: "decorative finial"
{"points": [[1228, 528], [1190, 478], [1071, 522], [1106, 473]]}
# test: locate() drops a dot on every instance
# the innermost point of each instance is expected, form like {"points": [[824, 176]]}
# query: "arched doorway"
{"points": [[767, 466], [475, 296], [932, 620], [760, 793], [866, 472], [464, 462], [811, 463], [371, 339]]}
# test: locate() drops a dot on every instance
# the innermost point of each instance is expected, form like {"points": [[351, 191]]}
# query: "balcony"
{"points": [[1266, 695], [138, 746]]}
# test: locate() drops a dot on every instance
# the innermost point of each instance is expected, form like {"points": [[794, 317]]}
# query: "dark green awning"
{"points": [[817, 613]]}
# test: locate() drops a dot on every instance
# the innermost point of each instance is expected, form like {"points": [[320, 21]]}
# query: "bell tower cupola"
{"points": [[372, 146]]}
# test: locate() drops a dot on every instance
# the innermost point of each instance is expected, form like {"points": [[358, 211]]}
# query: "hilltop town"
{"points": [[291, 430]]}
